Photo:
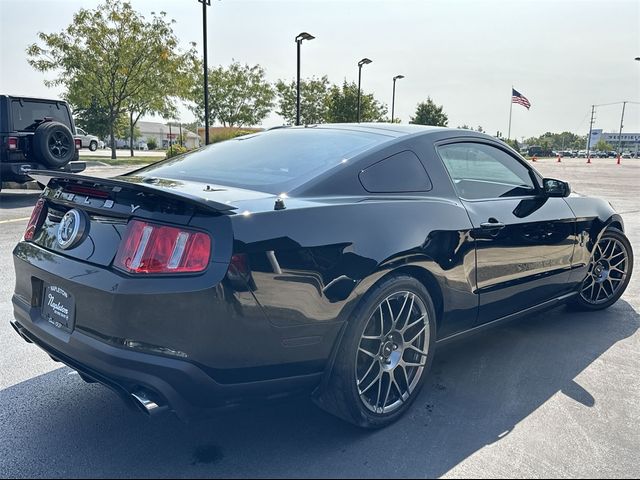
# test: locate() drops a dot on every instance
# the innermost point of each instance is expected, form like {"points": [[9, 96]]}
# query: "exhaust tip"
{"points": [[146, 404]]}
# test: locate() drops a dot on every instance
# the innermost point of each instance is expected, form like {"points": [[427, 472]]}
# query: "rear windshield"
{"points": [[274, 161], [26, 113]]}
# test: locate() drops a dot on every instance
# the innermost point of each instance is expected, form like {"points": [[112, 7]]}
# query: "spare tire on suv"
{"points": [[53, 144]]}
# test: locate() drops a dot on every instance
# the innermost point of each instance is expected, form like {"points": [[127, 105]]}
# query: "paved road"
{"points": [[553, 395]]}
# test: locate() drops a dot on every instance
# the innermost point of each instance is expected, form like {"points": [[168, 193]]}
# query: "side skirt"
{"points": [[480, 328]]}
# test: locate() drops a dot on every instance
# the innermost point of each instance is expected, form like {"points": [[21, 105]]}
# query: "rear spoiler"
{"points": [[168, 189]]}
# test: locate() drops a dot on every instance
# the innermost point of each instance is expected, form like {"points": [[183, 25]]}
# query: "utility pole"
{"points": [[205, 4], [624, 104], [593, 111]]}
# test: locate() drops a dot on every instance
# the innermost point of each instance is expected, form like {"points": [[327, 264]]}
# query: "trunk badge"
{"points": [[72, 229]]}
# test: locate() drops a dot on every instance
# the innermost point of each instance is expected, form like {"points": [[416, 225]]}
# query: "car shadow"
{"points": [[479, 390], [10, 200]]}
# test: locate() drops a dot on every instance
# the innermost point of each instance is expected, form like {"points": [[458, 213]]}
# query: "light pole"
{"points": [[205, 4], [362, 62], [299, 39], [393, 98], [624, 104]]}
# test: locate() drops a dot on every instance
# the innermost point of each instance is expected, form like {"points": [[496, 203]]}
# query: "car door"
{"points": [[524, 239]]}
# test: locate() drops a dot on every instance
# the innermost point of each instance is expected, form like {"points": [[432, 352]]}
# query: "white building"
{"points": [[630, 141], [162, 134]]}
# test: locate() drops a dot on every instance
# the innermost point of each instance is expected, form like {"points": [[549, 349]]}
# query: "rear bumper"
{"points": [[219, 349], [171, 384]]}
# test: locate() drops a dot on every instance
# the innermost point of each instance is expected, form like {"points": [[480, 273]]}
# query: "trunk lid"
{"points": [[109, 204]]}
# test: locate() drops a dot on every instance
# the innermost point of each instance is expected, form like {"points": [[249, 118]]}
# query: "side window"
{"points": [[80, 131], [402, 172], [483, 171]]}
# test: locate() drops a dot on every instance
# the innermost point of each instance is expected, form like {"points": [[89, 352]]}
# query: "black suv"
{"points": [[36, 134]]}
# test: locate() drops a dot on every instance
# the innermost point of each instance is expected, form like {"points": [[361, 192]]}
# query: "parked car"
{"points": [[88, 141], [539, 151], [35, 133], [330, 259]]}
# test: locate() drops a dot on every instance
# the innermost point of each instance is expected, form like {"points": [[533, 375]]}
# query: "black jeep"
{"points": [[36, 134]]}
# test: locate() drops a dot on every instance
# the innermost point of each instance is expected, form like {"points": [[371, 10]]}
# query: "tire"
{"points": [[53, 144], [93, 146], [350, 393], [609, 273]]}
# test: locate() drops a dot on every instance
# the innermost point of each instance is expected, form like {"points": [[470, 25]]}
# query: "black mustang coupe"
{"points": [[331, 259]]}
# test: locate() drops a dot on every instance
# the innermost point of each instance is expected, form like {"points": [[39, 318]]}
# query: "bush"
{"points": [[175, 150], [151, 143], [222, 134]]}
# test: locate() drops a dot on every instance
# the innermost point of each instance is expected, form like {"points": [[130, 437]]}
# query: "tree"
{"points": [[559, 141], [513, 144], [342, 105], [94, 119], [428, 113], [107, 58], [313, 100], [603, 146], [239, 95]]}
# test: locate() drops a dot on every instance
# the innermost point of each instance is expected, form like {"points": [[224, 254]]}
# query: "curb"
{"points": [[21, 186]]}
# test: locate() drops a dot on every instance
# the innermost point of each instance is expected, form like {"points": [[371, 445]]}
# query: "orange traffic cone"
{"points": [[534, 158], [618, 159], [559, 158]]}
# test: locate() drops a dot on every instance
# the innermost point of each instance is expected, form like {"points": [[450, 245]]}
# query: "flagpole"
{"points": [[510, 112]]}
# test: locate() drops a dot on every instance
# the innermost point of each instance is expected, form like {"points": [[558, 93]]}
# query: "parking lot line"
{"points": [[14, 220]]}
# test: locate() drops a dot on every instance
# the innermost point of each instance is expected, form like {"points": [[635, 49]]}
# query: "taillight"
{"points": [[151, 248], [35, 222], [12, 143], [78, 143]]}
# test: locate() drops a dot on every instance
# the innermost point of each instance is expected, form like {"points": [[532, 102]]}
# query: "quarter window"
{"points": [[402, 172], [483, 171]]}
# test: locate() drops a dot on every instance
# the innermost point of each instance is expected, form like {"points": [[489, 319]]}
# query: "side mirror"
{"points": [[555, 188]]}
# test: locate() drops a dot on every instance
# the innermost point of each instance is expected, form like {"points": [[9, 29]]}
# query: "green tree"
{"points": [[159, 98], [559, 141], [313, 100], [239, 95], [603, 146], [428, 113], [106, 58], [342, 105], [94, 119], [512, 143]]}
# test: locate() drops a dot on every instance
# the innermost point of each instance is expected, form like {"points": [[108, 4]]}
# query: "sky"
{"points": [[563, 55]]}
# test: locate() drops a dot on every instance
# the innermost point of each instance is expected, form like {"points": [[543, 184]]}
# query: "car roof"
{"points": [[386, 129], [38, 99]]}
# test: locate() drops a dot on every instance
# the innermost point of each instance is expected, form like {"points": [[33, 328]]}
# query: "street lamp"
{"points": [[205, 4], [299, 40], [393, 99], [364, 61]]}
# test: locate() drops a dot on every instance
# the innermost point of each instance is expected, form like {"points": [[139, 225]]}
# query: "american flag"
{"points": [[517, 97]]}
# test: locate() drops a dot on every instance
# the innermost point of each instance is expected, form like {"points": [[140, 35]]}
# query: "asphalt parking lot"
{"points": [[553, 395]]}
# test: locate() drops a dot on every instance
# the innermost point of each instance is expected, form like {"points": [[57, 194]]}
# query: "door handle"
{"points": [[492, 224]]}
